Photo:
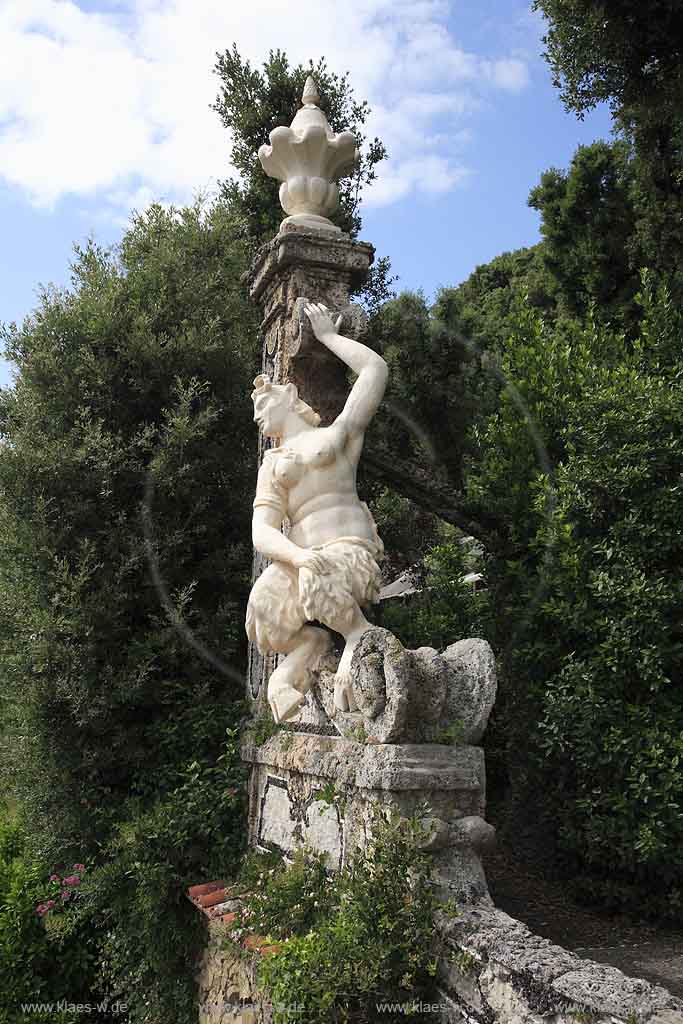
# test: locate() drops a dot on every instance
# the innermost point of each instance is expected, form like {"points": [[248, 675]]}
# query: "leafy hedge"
{"points": [[125, 476], [584, 462]]}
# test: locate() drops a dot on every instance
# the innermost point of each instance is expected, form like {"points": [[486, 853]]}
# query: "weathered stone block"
{"points": [[325, 793]]}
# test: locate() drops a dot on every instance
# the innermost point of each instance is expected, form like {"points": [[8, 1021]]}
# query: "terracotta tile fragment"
{"points": [[195, 891], [211, 898]]}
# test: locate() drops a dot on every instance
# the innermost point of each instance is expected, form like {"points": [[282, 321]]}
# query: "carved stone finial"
{"points": [[310, 94], [309, 158]]}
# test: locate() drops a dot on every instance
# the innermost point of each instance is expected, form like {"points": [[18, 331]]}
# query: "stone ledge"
{"points": [[499, 971], [396, 767], [301, 248], [496, 971]]}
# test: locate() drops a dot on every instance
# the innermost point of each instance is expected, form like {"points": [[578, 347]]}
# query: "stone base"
{"points": [[324, 792], [227, 989], [492, 970]]}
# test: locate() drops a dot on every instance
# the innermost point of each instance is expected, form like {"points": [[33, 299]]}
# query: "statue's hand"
{"points": [[313, 559], [321, 321]]}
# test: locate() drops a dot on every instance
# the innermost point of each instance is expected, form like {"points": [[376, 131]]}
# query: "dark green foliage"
{"points": [[588, 225], [283, 901], [406, 530], [586, 597], [362, 937], [478, 309], [574, 457], [39, 963], [448, 607], [438, 385], [126, 472], [621, 53], [629, 54], [134, 899], [431, 368]]}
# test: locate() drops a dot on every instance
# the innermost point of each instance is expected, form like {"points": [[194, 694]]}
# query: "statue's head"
{"points": [[273, 403]]}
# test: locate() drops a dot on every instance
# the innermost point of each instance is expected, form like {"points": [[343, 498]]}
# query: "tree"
{"points": [[588, 228], [627, 54], [126, 468], [581, 461], [630, 55]]}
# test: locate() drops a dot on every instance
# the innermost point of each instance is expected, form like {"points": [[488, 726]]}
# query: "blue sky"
{"points": [[104, 106]]}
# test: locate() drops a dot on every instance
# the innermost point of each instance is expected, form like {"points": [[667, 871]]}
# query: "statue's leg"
{"points": [[335, 598], [352, 630], [291, 680]]}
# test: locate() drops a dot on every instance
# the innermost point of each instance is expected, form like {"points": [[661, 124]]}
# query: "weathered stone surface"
{"points": [[472, 686], [547, 985], [473, 831], [429, 687], [597, 985], [383, 672], [418, 696], [227, 990], [499, 971], [405, 766], [326, 792]]}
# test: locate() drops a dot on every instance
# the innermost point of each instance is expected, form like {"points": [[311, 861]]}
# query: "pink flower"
{"points": [[41, 909], [78, 867], [55, 878], [50, 904], [66, 895], [72, 880]]}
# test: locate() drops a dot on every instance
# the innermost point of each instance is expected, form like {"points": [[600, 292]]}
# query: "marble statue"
{"points": [[325, 569], [309, 158]]}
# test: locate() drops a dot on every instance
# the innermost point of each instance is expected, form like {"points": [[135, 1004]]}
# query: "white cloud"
{"points": [[510, 74], [115, 105]]}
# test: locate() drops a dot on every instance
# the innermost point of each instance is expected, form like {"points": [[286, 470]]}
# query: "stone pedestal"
{"points": [[324, 793]]}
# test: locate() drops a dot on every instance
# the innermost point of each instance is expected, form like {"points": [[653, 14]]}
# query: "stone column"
{"points": [[300, 265]]}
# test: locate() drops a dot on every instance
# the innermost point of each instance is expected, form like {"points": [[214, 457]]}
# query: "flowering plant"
{"points": [[61, 890]]}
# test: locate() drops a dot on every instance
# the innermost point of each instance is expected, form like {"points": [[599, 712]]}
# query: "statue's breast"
{"points": [[291, 466]]}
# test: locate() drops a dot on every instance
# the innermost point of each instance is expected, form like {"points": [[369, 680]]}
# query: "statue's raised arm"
{"points": [[326, 569], [369, 388]]}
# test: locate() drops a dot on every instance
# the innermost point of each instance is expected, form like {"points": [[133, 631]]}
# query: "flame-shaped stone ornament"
{"points": [[308, 158]]}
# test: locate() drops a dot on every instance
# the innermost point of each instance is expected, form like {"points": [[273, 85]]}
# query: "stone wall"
{"points": [[494, 971]]}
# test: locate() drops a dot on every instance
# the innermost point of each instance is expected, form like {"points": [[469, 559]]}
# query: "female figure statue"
{"points": [[326, 569]]}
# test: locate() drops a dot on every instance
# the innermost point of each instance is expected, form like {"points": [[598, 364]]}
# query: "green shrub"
{"points": [[41, 960], [126, 465], [351, 940], [448, 608], [133, 899], [587, 600]]}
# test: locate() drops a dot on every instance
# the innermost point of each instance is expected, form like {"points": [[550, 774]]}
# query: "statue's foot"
{"points": [[284, 700], [343, 691]]}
